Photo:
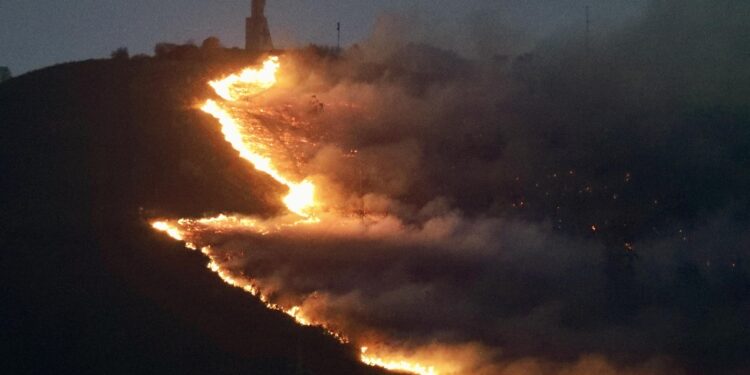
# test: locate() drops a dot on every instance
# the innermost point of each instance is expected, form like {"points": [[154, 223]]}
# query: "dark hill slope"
{"points": [[88, 150]]}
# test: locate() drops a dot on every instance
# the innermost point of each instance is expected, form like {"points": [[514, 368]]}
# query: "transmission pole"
{"points": [[588, 28], [338, 37]]}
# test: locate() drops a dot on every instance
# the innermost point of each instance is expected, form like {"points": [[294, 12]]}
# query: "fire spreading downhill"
{"points": [[236, 91]]}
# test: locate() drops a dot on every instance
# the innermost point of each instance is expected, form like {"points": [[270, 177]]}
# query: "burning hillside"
{"points": [[376, 249], [244, 130], [577, 208], [80, 267]]}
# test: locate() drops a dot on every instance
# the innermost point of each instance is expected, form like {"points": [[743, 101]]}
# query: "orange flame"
{"points": [[176, 231], [181, 230], [170, 230], [395, 365], [301, 197], [248, 82]]}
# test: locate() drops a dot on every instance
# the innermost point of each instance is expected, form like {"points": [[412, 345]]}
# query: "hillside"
{"points": [[89, 150]]}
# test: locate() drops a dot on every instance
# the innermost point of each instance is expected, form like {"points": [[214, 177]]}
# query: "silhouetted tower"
{"points": [[257, 33]]}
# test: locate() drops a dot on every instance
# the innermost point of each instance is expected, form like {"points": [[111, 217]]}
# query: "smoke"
{"points": [[580, 208]]}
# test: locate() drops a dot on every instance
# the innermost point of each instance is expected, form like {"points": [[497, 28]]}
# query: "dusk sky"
{"points": [[35, 34]]}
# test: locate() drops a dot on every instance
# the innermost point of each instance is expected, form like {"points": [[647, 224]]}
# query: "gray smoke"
{"points": [[561, 206]]}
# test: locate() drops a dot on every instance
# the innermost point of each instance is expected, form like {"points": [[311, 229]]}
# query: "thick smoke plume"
{"points": [[578, 208]]}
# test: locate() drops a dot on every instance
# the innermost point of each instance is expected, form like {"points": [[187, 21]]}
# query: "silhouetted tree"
{"points": [[322, 51], [211, 43], [140, 57], [162, 50], [5, 74], [177, 52], [120, 54]]}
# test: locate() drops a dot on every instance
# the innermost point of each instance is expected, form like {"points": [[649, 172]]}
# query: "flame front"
{"points": [[181, 230], [300, 200], [395, 365], [301, 197], [248, 82], [170, 230]]}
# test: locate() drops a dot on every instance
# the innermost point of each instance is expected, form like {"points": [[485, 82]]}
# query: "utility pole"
{"points": [[588, 29], [338, 37]]}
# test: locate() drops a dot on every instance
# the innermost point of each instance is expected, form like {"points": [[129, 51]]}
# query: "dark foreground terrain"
{"points": [[89, 151]]}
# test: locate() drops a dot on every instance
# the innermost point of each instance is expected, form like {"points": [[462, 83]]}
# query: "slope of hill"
{"points": [[89, 150]]}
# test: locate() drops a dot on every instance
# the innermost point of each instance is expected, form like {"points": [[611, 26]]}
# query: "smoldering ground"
{"points": [[580, 207]]}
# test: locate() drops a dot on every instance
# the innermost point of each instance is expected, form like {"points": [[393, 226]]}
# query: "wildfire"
{"points": [[248, 82], [395, 365], [301, 197], [170, 230], [300, 200], [177, 231], [181, 230]]}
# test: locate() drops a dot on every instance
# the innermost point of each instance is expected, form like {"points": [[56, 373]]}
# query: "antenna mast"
{"points": [[588, 28]]}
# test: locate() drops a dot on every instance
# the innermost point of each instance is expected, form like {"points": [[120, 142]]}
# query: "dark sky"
{"points": [[35, 34]]}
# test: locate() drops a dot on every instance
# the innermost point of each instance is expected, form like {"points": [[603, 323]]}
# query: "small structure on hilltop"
{"points": [[5, 73], [257, 33]]}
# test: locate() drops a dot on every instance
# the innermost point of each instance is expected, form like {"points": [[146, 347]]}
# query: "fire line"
{"points": [[300, 200]]}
